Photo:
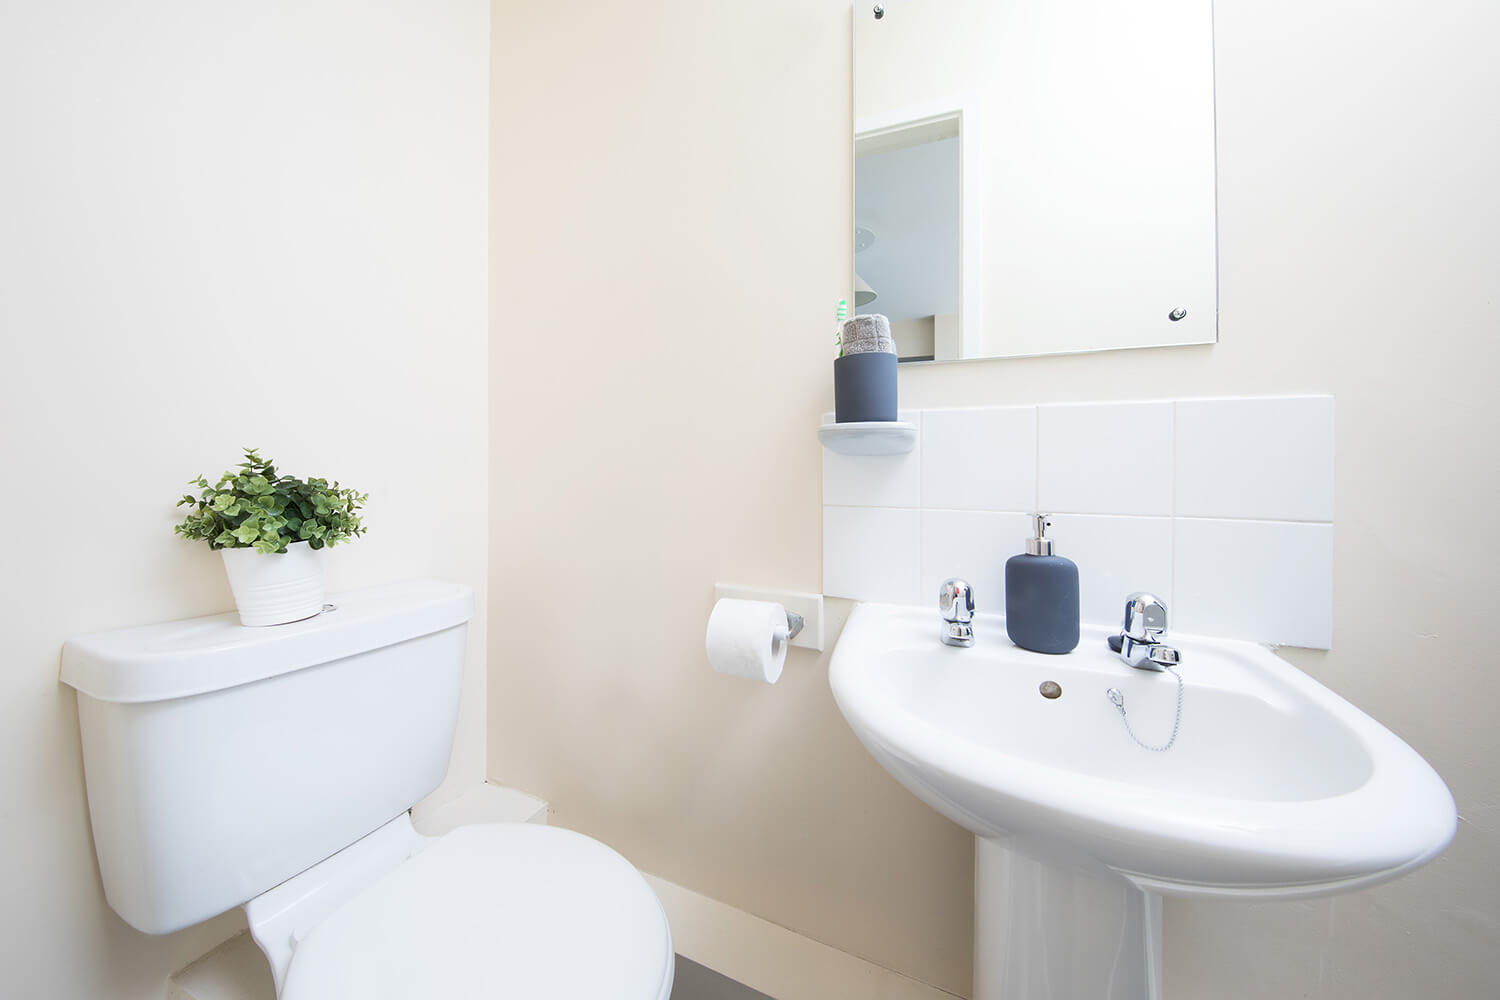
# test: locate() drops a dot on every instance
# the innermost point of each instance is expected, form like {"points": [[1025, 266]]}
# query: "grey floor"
{"points": [[692, 981]]}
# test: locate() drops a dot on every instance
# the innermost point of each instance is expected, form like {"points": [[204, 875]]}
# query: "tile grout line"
{"points": [[1172, 542], [1036, 460], [1178, 410], [921, 501], [1085, 513]]}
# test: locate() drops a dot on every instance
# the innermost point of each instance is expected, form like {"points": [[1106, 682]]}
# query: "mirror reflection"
{"points": [[1035, 178]]}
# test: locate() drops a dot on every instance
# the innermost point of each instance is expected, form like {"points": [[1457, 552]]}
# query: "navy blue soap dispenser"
{"points": [[1041, 596]]}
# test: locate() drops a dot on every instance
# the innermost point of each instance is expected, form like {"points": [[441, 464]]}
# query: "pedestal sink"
{"points": [[1275, 788]]}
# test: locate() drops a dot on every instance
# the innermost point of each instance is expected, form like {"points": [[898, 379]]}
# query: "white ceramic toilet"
{"points": [[272, 768]]}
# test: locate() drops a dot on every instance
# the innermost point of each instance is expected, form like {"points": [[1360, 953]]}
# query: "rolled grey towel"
{"points": [[868, 334]]}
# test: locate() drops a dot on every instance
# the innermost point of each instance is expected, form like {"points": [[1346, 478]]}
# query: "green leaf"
{"points": [[262, 508]]}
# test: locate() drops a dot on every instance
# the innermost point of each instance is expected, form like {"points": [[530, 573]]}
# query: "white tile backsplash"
{"points": [[981, 459], [1256, 458], [1221, 507], [972, 545], [872, 553], [1105, 458], [875, 480], [1116, 556], [1270, 581]]}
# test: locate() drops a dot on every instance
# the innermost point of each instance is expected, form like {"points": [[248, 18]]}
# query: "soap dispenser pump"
{"points": [[1041, 595]]}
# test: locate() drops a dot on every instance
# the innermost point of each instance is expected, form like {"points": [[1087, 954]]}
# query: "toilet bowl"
{"points": [[500, 910], [273, 769]]}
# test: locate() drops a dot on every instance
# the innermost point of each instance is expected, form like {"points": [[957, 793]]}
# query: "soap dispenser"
{"points": [[1041, 596]]}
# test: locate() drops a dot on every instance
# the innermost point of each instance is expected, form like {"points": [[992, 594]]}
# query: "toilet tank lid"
{"points": [[198, 655]]}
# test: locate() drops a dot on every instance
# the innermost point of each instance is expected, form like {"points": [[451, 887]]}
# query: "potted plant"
{"points": [[271, 530]]}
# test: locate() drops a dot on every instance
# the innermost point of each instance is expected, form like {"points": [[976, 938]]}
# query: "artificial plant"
{"points": [[259, 508]]}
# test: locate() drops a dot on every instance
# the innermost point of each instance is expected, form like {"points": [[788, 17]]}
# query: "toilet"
{"points": [[273, 769]]}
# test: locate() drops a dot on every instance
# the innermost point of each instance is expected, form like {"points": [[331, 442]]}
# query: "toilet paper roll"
{"points": [[748, 639]]}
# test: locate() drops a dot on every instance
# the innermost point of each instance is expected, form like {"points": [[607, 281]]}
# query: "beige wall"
{"points": [[219, 225], [653, 432]]}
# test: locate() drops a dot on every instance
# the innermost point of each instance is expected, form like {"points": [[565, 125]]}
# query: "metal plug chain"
{"points": [[1119, 701]]}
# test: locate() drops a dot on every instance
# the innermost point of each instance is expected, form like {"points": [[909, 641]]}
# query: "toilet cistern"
{"points": [[273, 769]]}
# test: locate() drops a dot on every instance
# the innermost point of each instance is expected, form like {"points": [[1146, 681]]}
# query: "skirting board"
{"points": [[235, 970], [484, 803], [772, 959]]}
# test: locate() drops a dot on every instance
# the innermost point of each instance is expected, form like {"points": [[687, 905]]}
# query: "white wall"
{"points": [[643, 453], [1220, 507], [219, 225]]}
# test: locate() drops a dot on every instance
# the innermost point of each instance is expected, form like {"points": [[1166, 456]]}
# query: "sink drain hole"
{"points": [[1050, 689]]}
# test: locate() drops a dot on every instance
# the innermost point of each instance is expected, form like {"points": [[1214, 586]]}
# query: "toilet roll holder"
{"points": [[793, 626], [804, 612]]}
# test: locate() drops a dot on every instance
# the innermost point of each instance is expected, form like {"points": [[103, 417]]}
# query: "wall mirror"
{"points": [[1035, 177]]}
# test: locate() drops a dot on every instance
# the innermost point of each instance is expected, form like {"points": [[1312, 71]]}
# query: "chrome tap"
{"points": [[1140, 640], [956, 602]]}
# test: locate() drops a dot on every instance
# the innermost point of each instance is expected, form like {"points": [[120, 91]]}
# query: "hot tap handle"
{"points": [[956, 601], [1145, 617]]}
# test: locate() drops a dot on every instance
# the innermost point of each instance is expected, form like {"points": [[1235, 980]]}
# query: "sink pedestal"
{"points": [[1052, 931]]}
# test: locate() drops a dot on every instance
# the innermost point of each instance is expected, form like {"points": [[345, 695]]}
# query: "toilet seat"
{"points": [[493, 911]]}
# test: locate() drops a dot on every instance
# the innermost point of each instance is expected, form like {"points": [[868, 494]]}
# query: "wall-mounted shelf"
{"points": [[875, 437]]}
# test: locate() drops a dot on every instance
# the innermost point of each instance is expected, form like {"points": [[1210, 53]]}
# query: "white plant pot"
{"points": [[276, 588]]}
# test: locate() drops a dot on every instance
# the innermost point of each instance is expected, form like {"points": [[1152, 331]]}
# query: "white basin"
{"points": [[1275, 788]]}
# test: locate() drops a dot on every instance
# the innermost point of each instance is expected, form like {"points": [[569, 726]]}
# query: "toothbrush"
{"points": [[840, 315]]}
